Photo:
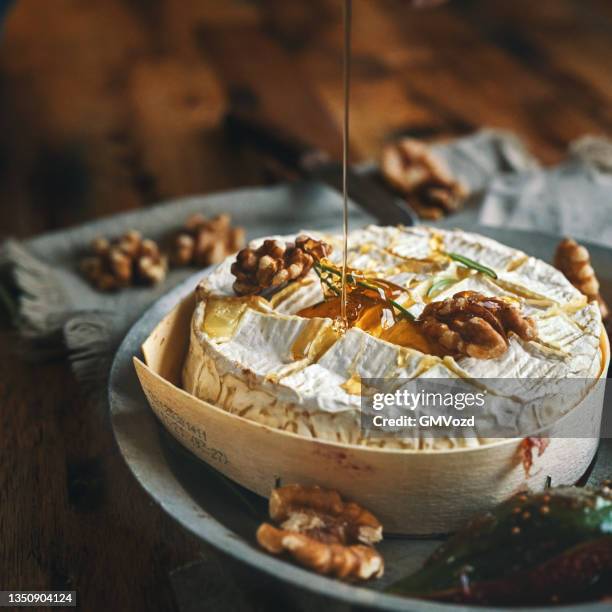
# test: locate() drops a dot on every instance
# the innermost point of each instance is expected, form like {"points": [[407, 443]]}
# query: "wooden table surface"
{"points": [[115, 105]]}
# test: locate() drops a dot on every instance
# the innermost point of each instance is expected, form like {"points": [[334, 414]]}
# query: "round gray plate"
{"points": [[226, 515]]}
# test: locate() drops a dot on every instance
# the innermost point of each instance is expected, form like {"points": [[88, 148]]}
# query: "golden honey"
{"points": [[374, 315]]}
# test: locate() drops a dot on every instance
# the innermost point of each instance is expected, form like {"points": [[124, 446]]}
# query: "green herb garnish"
{"points": [[403, 311], [470, 263], [440, 284], [319, 267], [326, 281]]}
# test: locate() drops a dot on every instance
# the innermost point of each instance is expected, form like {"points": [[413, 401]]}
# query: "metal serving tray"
{"points": [[226, 516]]}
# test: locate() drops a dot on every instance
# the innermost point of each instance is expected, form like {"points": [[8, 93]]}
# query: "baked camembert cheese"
{"points": [[279, 357]]}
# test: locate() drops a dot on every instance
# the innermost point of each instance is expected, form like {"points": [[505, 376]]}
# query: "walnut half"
{"points": [[574, 261], [411, 168], [274, 263], [128, 260], [203, 242], [472, 324], [323, 532]]}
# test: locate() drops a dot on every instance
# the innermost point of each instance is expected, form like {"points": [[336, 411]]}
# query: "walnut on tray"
{"points": [[574, 261], [472, 324], [128, 260], [322, 532], [273, 264], [203, 242], [411, 168]]}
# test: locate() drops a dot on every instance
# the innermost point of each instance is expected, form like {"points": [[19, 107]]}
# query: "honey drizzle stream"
{"points": [[345, 146]]}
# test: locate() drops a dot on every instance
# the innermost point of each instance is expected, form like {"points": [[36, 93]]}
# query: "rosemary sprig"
{"points": [[326, 281], [470, 263], [405, 313], [438, 285], [360, 283]]}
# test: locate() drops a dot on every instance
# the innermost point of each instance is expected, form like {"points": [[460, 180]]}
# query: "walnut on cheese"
{"points": [[470, 323], [274, 263]]}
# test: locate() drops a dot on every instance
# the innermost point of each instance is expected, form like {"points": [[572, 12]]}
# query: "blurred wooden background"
{"points": [[108, 105]]}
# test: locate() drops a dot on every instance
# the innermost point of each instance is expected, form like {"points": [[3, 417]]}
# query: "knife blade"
{"points": [[312, 163], [363, 191]]}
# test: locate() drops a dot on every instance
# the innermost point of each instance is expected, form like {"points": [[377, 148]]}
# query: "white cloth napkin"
{"points": [[572, 199]]}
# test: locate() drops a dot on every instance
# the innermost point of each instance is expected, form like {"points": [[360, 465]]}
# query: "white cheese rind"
{"points": [[255, 373]]}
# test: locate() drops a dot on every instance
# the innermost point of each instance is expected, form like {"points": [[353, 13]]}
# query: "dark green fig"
{"points": [[534, 548]]}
